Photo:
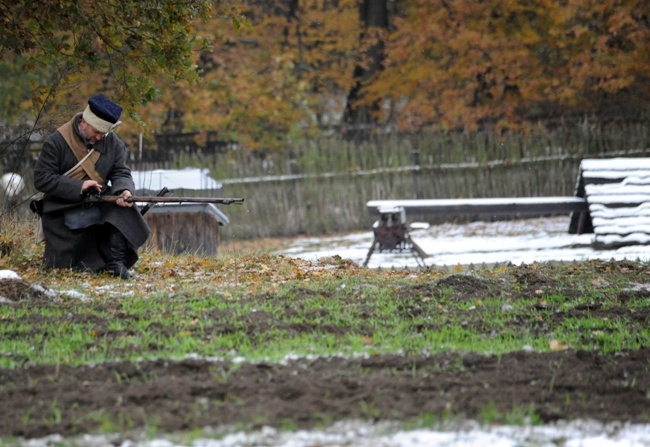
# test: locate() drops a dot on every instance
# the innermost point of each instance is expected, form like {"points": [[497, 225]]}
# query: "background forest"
{"points": [[306, 87]]}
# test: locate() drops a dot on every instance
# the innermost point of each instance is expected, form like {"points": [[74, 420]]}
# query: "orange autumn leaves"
{"points": [[287, 73], [461, 64], [466, 64]]}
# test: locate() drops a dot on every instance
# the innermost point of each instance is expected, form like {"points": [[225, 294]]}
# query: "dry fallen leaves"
{"points": [[555, 345]]}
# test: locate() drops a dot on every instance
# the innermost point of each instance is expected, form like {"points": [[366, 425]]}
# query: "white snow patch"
{"points": [[49, 293], [478, 243], [74, 294], [634, 287], [9, 274], [389, 434]]}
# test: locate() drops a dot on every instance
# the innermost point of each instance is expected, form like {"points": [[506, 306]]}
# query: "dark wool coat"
{"points": [[86, 249]]}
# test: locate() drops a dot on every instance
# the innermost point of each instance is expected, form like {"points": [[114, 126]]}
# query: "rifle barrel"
{"points": [[157, 199]]}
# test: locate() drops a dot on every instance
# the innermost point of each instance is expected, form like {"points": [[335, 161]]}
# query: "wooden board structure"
{"points": [[498, 205], [612, 200], [617, 191], [186, 228], [182, 228]]}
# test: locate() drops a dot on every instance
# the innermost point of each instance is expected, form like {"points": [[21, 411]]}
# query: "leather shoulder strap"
{"points": [[87, 167]]}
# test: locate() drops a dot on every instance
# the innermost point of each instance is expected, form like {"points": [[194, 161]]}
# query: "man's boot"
{"points": [[116, 264]]}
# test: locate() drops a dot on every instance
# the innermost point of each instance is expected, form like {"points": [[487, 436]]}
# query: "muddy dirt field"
{"points": [[172, 396], [183, 395]]}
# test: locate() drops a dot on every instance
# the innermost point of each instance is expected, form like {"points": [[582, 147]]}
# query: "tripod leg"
{"points": [[418, 259], [372, 249], [415, 248]]}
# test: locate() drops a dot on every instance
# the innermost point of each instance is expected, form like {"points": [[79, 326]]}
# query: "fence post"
{"points": [[416, 172]]}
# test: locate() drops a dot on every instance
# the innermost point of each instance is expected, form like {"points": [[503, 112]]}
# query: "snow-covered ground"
{"points": [[386, 434], [477, 243]]}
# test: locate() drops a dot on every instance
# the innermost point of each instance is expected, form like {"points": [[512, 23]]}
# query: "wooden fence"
{"points": [[330, 203], [322, 186]]}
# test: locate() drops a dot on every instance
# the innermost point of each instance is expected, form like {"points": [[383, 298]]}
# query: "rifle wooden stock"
{"points": [[156, 199]]}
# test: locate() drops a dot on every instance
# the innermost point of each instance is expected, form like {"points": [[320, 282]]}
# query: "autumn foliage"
{"points": [[451, 65], [466, 64], [288, 69]]}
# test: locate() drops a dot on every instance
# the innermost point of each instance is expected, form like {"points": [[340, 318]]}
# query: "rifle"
{"points": [[95, 198], [162, 193]]}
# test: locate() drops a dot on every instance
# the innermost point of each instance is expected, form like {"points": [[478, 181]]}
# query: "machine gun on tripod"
{"points": [[391, 233]]}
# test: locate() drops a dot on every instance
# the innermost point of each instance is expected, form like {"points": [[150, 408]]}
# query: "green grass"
{"points": [[279, 307], [260, 306]]}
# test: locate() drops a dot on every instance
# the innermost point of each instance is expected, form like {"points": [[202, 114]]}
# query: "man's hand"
{"points": [[89, 185], [124, 195]]}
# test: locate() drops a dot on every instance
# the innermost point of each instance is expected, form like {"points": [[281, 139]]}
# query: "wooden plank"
{"points": [[600, 210], [503, 205], [617, 188], [623, 222], [614, 228], [618, 192], [616, 164], [641, 176], [618, 200], [614, 240]]}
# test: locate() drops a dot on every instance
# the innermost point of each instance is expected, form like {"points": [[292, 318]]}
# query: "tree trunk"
{"points": [[359, 116]]}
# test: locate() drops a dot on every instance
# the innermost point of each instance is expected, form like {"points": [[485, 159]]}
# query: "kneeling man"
{"points": [[84, 156]]}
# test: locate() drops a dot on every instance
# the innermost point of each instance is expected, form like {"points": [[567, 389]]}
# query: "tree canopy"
{"points": [[505, 63], [282, 77], [300, 66], [125, 46]]}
